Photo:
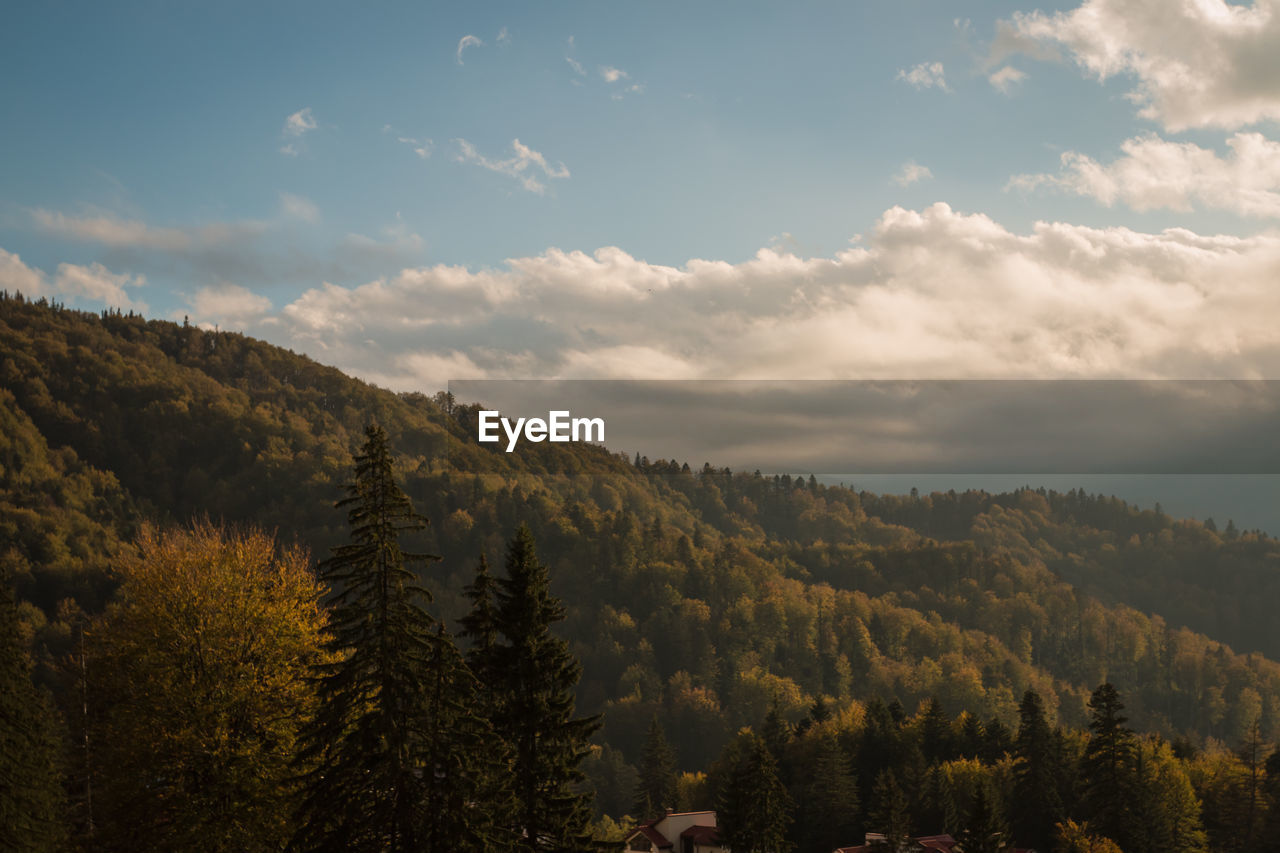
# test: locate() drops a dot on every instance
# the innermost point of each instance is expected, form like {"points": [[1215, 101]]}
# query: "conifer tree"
{"points": [[366, 749], [536, 676], [1107, 766], [754, 810], [984, 830], [657, 784], [889, 814], [480, 629], [31, 797], [1037, 808], [831, 801]]}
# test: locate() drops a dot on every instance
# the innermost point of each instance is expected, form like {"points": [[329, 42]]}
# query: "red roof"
{"points": [[654, 837], [704, 835]]}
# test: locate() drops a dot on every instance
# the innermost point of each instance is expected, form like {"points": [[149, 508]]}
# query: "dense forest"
{"points": [[930, 655]]}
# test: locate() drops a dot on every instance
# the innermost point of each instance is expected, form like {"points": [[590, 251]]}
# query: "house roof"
{"points": [[704, 835], [657, 839]]}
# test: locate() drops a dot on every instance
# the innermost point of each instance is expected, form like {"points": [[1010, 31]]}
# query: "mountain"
{"points": [[702, 596]]}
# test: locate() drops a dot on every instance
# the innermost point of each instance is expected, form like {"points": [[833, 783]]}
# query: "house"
{"points": [[677, 832]]}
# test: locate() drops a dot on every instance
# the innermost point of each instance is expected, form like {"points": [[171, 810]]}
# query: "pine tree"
{"points": [[1107, 766], [984, 831], [754, 810], [1037, 808], [831, 801], [890, 815], [365, 750], [32, 802], [657, 784], [480, 629], [536, 675]]}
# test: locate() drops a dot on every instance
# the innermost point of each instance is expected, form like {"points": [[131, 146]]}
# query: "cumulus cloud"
{"points": [[466, 42], [1006, 78], [926, 75], [910, 173], [298, 207], [1198, 63], [84, 285], [931, 294], [1155, 173], [525, 166], [295, 126], [612, 75], [227, 305]]}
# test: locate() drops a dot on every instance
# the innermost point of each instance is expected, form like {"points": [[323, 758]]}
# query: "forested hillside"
{"points": [[697, 597]]}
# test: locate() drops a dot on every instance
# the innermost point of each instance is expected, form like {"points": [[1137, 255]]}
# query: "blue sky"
{"points": [[417, 192]]}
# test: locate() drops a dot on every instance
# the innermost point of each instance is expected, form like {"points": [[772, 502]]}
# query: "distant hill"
{"points": [[701, 595]]}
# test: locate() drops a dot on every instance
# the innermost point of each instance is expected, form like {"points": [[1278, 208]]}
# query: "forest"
{"points": [[245, 591]]}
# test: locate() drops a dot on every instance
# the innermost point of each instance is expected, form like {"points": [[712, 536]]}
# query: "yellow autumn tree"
{"points": [[197, 685]]}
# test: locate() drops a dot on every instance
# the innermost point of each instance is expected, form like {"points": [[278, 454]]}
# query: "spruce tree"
{"points": [[831, 800], [754, 809], [1037, 809], [32, 802], [480, 629], [365, 752], [657, 785], [536, 675], [889, 814], [984, 830], [1107, 767]]}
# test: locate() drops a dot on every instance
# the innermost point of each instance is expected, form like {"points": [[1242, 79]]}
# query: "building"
{"points": [[677, 832], [921, 844]]}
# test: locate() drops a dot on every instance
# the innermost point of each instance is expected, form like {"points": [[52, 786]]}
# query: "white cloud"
{"points": [[1006, 78], [1197, 63], [17, 277], [612, 75], [1155, 173], [421, 147], [504, 37], [110, 230], [524, 166], [466, 42], [932, 294], [98, 284], [297, 207], [910, 173], [227, 305], [299, 123], [576, 66], [926, 75]]}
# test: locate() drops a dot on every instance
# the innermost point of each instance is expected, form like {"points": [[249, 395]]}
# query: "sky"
{"points": [[420, 192]]}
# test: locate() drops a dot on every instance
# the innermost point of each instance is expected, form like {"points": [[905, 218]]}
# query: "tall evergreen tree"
{"points": [[890, 814], [831, 801], [754, 810], [366, 750], [480, 629], [1037, 809], [984, 830], [657, 785], [32, 802], [1107, 767], [536, 675]]}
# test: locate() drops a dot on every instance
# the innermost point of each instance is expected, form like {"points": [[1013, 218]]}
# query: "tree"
{"points": [[657, 784], [197, 686], [831, 801], [1037, 808], [984, 831], [365, 750], [890, 814], [1072, 837], [31, 795], [754, 809], [1107, 766], [536, 676]]}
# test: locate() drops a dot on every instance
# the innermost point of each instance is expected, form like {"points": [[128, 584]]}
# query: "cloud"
{"points": [[576, 66], [295, 126], [1155, 173], [933, 293], [466, 42], [110, 230], [421, 147], [524, 166], [227, 305], [98, 284], [612, 75], [297, 207], [504, 37], [1198, 63], [17, 277], [1006, 79], [926, 75], [910, 173]]}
